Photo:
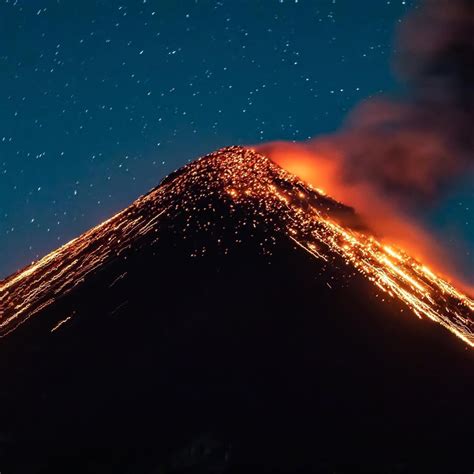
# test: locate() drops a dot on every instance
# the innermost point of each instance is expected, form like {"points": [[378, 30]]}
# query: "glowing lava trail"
{"points": [[271, 197]]}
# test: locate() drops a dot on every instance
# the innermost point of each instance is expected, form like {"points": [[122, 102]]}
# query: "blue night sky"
{"points": [[100, 99]]}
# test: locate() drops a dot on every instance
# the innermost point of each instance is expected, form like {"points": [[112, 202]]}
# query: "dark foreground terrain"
{"points": [[211, 342]]}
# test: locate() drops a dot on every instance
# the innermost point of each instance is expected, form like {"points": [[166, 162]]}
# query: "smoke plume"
{"points": [[394, 158]]}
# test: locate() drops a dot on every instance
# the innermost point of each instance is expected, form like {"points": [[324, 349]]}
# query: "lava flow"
{"points": [[271, 197]]}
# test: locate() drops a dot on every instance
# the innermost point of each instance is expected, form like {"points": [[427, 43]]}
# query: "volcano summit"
{"points": [[235, 301]]}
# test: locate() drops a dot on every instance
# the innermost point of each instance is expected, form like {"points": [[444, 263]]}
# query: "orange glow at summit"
{"points": [[320, 164]]}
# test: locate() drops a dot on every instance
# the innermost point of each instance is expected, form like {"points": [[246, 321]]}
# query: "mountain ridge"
{"points": [[274, 198]]}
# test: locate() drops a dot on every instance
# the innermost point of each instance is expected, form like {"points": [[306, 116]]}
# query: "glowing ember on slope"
{"points": [[271, 197]]}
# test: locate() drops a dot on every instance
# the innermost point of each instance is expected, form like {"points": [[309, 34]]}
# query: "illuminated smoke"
{"points": [[394, 158]]}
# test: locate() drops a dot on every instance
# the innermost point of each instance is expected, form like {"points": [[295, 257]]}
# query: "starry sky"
{"points": [[100, 99]]}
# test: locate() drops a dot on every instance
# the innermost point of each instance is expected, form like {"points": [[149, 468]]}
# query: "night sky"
{"points": [[100, 99]]}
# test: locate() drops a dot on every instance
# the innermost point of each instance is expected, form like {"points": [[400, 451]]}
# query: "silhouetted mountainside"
{"points": [[220, 324]]}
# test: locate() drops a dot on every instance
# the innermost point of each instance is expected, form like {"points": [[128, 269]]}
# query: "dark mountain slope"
{"points": [[194, 332]]}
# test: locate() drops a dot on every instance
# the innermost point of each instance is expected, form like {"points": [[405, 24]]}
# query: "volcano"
{"points": [[233, 319]]}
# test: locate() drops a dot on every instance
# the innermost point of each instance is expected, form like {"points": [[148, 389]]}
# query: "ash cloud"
{"points": [[395, 156], [414, 147]]}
